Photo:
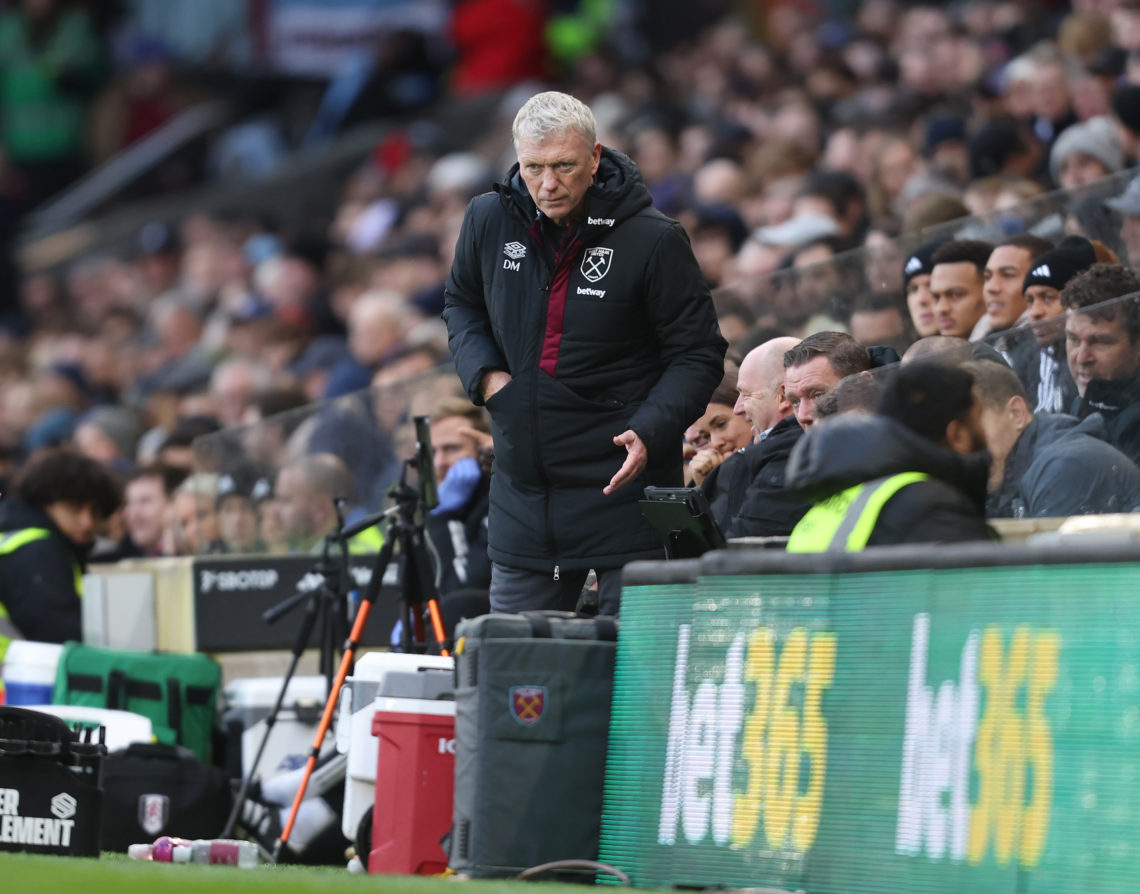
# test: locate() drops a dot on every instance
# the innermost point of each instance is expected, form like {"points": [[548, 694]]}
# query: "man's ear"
{"points": [[1018, 412], [785, 405], [958, 437]]}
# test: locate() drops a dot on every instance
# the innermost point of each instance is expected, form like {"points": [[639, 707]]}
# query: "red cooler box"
{"points": [[415, 779]]}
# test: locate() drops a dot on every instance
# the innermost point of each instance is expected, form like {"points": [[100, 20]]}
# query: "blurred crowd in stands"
{"points": [[888, 169]]}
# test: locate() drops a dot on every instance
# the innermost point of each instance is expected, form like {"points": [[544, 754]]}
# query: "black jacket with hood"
{"points": [[611, 329], [846, 450], [1118, 402], [747, 492], [37, 580]]}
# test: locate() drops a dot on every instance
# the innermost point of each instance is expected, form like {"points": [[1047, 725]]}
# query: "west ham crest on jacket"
{"points": [[528, 703], [596, 263]]}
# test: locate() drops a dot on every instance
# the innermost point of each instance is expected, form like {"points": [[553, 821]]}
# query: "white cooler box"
{"points": [[124, 728], [246, 705], [400, 682]]}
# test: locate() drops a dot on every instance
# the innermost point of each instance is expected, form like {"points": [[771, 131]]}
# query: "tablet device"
{"points": [[681, 515]]}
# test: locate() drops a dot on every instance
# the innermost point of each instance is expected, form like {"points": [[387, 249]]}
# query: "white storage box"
{"points": [[406, 681], [123, 727], [246, 706]]}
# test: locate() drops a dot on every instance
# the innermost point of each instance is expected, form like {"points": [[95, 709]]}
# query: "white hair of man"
{"points": [[550, 113]]}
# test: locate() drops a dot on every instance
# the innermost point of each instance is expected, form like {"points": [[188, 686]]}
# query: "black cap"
{"points": [[1126, 106], [992, 146], [1058, 265], [920, 260]]}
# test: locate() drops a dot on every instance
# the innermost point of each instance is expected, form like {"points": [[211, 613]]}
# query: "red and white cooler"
{"points": [[415, 779]]}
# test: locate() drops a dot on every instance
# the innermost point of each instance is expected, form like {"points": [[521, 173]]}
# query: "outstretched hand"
{"points": [[636, 458]]}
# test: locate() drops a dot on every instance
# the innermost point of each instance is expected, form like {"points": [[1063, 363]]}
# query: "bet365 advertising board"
{"points": [[961, 729]]}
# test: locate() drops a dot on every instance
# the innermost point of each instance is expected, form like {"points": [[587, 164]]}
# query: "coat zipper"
{"points": [[560, 254]]}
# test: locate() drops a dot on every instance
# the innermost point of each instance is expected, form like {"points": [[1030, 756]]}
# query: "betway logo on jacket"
{"points": [[600, 221]]}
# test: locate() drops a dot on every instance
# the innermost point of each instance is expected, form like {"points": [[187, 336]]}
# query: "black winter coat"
{"points": [[611, 329], [1118, 401], [747, 492], [37, 581], [948, 507], [1059, 466]]}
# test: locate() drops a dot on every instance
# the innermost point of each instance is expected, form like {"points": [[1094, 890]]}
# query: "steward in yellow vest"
{"points": [[59, 500], [915, 472]]}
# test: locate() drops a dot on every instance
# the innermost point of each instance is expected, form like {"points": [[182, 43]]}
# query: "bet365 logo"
{"points": [[778, 741], [1010, 748]]}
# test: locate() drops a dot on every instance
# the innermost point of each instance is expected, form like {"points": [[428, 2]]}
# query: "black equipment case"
{"points": [[50, 784], [532, 712]]}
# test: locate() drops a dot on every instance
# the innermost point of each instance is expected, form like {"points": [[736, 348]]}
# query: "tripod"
{"points": [[325, 611], [417, 588]]}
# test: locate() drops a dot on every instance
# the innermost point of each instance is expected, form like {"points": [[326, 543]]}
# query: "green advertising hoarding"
{"points": [[966, 729]]}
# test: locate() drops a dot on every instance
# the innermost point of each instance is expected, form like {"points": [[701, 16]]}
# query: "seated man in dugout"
{"points": [[1102, 341], [1047, 464]]}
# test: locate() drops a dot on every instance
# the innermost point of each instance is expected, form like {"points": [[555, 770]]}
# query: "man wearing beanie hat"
{"points": [[109, 435], [1086, 152], [916, 287], [1041, 364]]}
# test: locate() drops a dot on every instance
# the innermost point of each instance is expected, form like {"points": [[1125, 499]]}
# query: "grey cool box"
{"points": [[532, 712]]}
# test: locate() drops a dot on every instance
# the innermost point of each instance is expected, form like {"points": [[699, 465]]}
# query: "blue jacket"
{"points": [[1062, 466]]}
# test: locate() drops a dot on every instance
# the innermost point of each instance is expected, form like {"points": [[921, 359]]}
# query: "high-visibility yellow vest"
{"points": [[844, 521], [367, 541], [9, 543]]}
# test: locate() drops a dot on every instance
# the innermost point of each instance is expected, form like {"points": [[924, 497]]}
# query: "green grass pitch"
{"points": [[115, 874]]}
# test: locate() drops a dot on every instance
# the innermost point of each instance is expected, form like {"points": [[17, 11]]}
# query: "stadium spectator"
{"points": [[719, 433], [746, 492], [146, 504], [1003, 277], [956, 281], [110, 435], [815, 366], [1042, 365], [913, 472], [1102, 340], [238, 493], [880, 318], [1085, 153], [192, 522], [1128, 206], [304, 496], [1047, 464], [916, 283], [50, 67]]}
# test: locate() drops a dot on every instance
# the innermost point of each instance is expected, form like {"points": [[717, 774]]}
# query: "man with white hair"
{"points": [[578, 315]]}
